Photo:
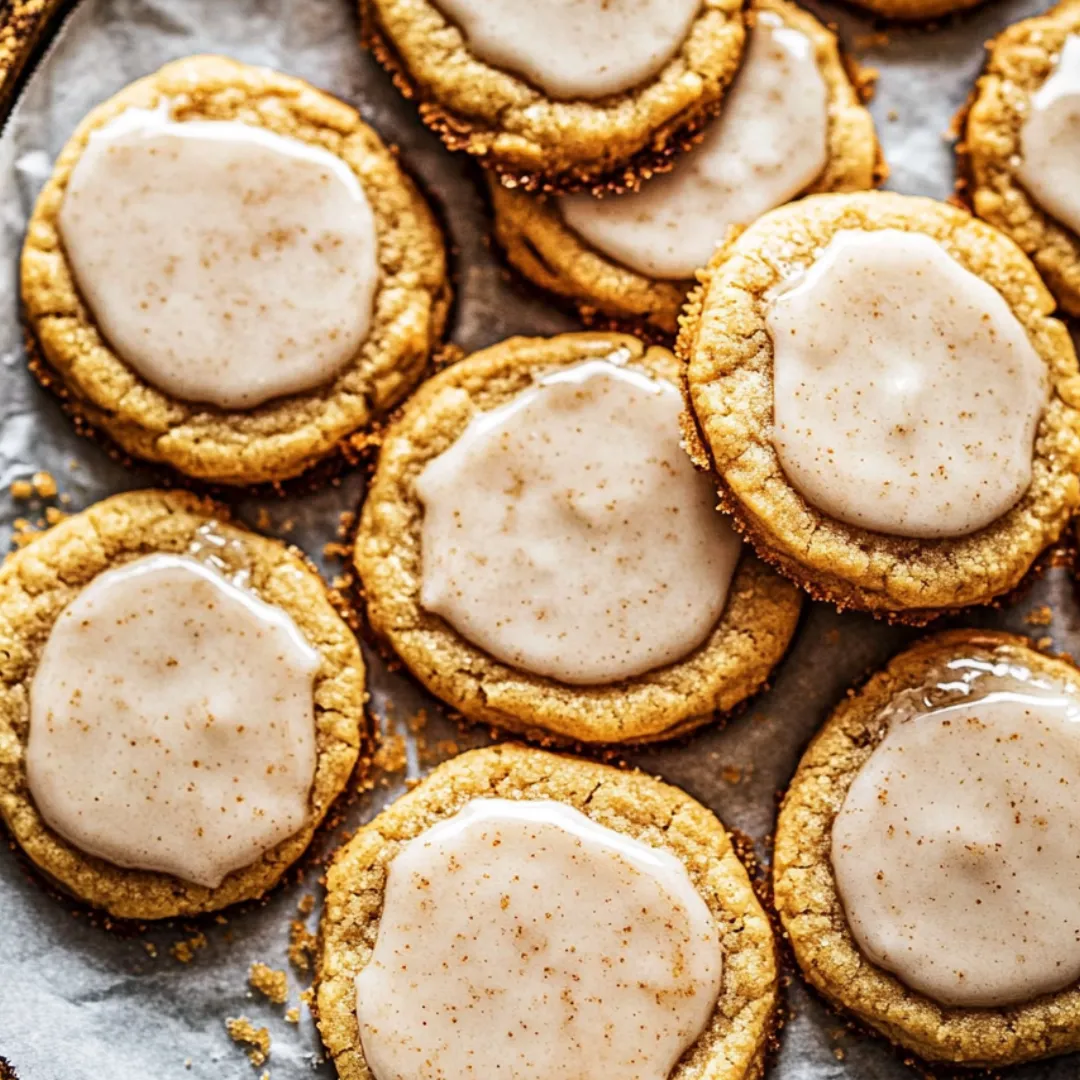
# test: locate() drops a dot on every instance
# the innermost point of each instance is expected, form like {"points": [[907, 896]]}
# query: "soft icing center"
{"points": [[906, 392], [575, 48], [520, 938], [172, 721], [768, 145], [957, 850], [226, 264], [1050, 139], [567, 533]]}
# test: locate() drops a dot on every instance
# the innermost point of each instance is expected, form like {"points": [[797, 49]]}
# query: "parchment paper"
{"points": [[82, 1001]]}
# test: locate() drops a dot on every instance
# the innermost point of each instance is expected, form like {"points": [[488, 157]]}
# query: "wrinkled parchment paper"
{"points": [[82, 1001]]}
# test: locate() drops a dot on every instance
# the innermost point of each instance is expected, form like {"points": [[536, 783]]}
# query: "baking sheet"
{"points": [[83, 1000]]}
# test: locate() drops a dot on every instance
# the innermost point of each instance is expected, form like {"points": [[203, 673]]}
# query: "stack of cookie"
{"points": [[799, 385]]}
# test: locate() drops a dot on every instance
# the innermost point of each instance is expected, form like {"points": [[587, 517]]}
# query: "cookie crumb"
{"points": [[242, 1030], [307, 904], [272, 984], [292, 1015], [392, 756], [151, 949], [308, 996], [44, 484], [21, 489], [1040, 616], [301, 945], [184, 951]]}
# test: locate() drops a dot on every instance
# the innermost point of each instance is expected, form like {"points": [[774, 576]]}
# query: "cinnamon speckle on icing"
{"points": [[520, 936], [567, 533], [194, 701]]}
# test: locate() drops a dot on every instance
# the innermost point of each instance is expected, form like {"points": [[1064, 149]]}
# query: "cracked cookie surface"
{"points": [[806, 896], [40, 580], [729, 355], [548, 251], [532, 141], [734, 1043], [733, 662], [286, 436], [1020, 60]]}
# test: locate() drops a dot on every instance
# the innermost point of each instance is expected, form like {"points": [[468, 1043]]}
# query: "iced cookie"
{"points": [[180, 703], [1021, 144], [556, 95], [229, 273], [792, 122], [534, 915], [925, 867], [540, 552], [888, 408]]}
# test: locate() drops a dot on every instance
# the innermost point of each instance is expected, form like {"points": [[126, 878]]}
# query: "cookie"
{"points": [[1018, 156], [205, 672], [599, 96], [245, 348], [537, 550], [889, 410], [369, 887], [919, 870], [793, 122]]}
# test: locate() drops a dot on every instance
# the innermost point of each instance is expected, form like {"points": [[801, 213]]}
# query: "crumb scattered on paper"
{"points": [[271, 983], [292, 1015], [242, 1030], [301, 945], [1040, 616], [185, 950], [392, 756], [307, 904]]}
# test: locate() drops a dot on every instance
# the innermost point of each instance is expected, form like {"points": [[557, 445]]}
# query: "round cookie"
{"points": [[809, 905], [38, 582], [1021, 59], [733, 661], [729, 355], [284, 436], [540, 243], [733, 1045], [540, 142]]}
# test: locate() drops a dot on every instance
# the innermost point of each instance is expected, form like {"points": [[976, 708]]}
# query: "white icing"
{"points": [[521, 939], [575, 48], [957, 849], [1050, 140], [226, 264], [906, 392], [172, 723], [567, 533], [768, 145]]}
